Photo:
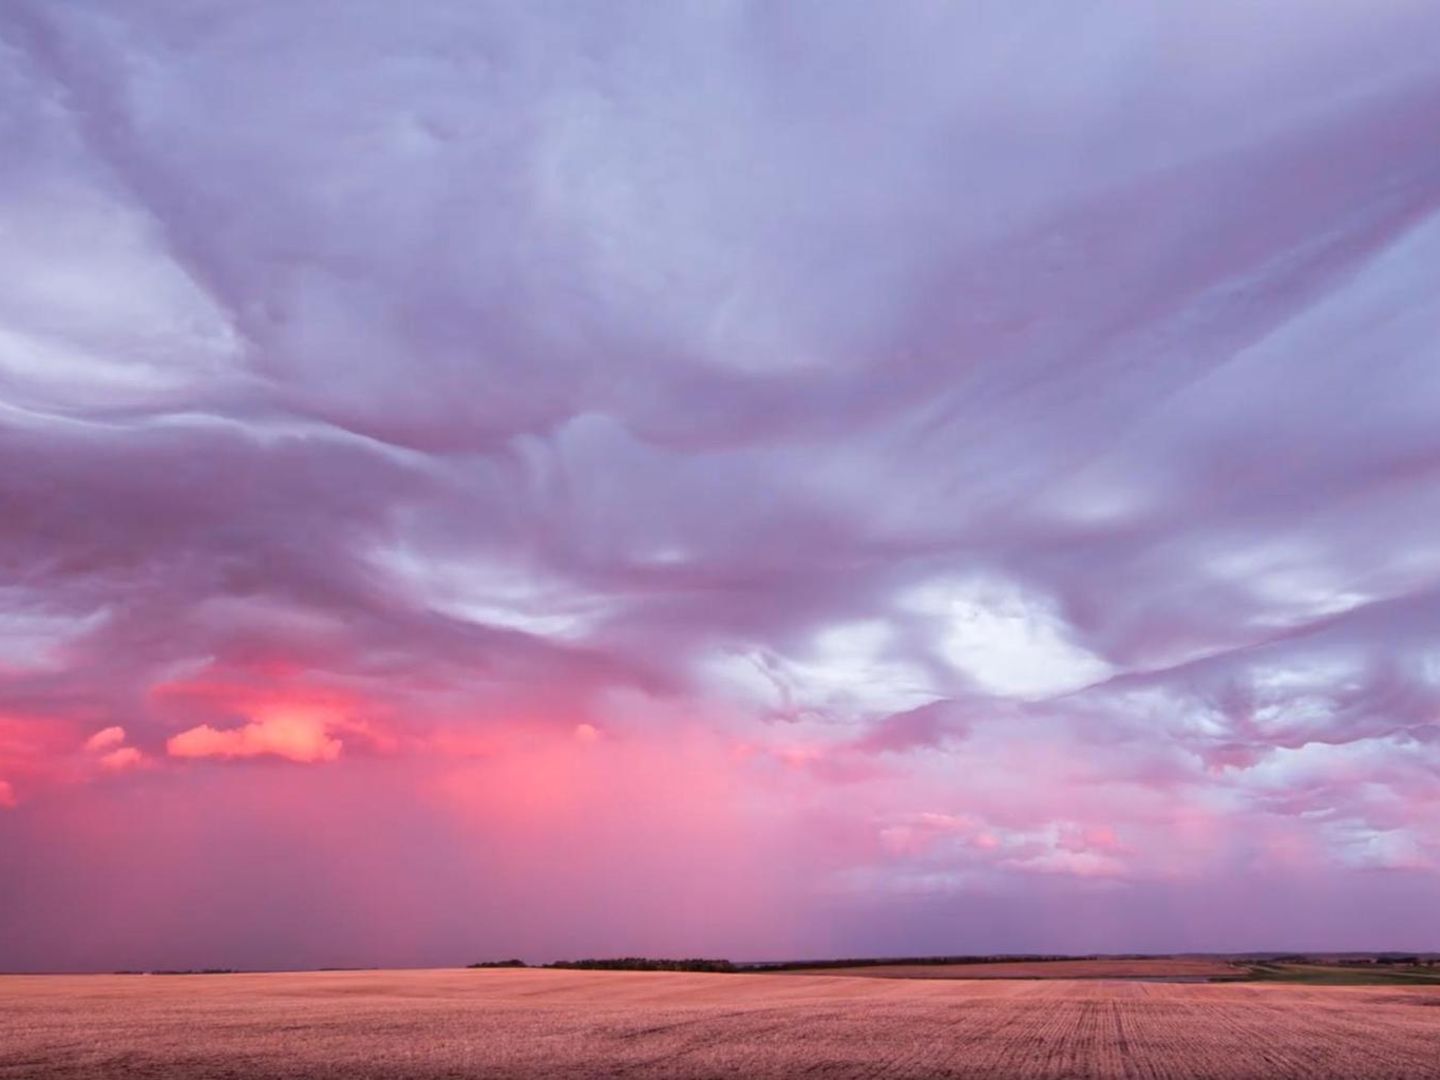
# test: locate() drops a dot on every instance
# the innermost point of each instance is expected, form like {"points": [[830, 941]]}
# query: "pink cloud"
{"points": [[1080, 864], [1077, 838], [295, 737], [284, 715], [37, 751], [7, 795], [105, 739], [126, 757]]}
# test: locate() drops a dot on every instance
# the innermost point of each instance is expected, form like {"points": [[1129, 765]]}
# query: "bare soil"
{"points": [[500, 1024]]}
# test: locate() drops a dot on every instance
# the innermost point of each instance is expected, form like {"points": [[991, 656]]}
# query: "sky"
{"points": [[729, 479]]}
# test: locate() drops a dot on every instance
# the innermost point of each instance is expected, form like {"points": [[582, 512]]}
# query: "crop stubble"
{"points": [[432, 1024]]}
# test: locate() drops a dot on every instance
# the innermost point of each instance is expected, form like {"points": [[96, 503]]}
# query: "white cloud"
{"points": [[1008, 641], [850, 670], [496, 592]]}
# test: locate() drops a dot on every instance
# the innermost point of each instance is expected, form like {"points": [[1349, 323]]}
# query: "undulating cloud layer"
{"points": [[746, 479]]}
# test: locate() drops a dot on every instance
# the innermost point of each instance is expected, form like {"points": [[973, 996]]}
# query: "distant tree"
{"points": [[644, 963]]}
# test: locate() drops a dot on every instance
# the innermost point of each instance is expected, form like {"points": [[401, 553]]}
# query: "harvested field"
{"points": [[454, 1024], [1188, 969]]}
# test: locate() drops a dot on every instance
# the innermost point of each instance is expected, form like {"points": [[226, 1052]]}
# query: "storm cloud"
{"points": [[760, 478]]}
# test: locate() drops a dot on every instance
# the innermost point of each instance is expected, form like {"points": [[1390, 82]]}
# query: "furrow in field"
{"points": [[428, 1025]]}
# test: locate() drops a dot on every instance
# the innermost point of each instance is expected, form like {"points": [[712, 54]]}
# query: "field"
{"points": [[528, 1023], [1315, 974], [1177, 969]]}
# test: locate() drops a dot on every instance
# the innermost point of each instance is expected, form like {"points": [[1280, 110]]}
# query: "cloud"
{"points": [[1009, 644], [126, 757], [105, 739], [971, 417], [108, 745], [293, 737]]}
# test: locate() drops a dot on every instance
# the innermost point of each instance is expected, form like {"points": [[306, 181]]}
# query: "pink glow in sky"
{"points": [[744, 479]]}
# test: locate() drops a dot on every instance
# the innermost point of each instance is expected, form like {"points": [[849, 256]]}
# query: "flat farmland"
{"points": [[453, 1024], [1180, 968]]}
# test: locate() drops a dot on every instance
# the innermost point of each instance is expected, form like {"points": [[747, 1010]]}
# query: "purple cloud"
{"points": [[971, 460]]}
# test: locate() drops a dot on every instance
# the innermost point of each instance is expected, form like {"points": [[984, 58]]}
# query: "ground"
{"points": [[506, 1023], [1176, 969]]}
